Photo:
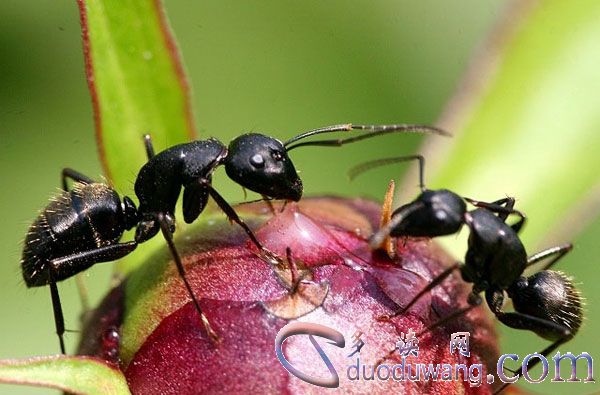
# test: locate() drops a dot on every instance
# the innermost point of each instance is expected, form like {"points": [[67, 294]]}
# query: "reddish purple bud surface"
{"points": [[329, 277]]}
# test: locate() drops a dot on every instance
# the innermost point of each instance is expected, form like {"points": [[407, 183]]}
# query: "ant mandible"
{"points": [[546, 303]]}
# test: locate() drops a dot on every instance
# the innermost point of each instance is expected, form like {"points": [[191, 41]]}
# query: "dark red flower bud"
{"points": [[327, 276]]}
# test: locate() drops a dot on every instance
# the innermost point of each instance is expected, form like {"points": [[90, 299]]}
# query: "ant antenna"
{"points": [[366, 166], [434, 283], [458, 313], [372, 131], [148, 145], [327, 129], [263, 199]]}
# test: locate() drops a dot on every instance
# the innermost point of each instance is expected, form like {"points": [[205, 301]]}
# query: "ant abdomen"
{"points": [[36, 245], [549, 295], [90, 216]]}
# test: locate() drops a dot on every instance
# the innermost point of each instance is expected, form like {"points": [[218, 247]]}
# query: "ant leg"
{"points": [[166, 231], [373, 130], [558, 252], [74, 175], [517, 320], [232, 216], [474, 300], [68, 173], [365, 166], [67, 266], [434, 283], [59, 319], [149, 146], [71, 264], [507, 202], [504, 208]]}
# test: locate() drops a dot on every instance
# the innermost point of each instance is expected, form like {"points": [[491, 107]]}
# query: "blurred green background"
{"points": [[281, 67]]}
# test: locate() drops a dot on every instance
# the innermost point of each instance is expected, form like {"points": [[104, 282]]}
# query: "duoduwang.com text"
{"points": [[406, 371]]}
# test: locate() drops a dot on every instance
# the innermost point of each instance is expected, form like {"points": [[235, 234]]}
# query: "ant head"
{"points": [[433, 213], [261, 164], [436, 213], [549, 295]]}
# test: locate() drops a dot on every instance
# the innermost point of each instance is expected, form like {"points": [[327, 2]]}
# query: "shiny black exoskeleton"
{"points": [[79, 228], [83, 226], [546, 303], [255, 161], [442, 212]]}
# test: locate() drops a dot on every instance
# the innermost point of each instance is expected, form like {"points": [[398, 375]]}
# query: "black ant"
{"points": [[546, 303], [83, 226]]}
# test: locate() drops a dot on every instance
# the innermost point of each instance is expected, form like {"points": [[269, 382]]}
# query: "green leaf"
{"points": [[137, 85], [136, 81], [527, 120], [78, 375]]}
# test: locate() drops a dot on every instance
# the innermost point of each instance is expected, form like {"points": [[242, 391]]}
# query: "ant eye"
{"points": [[277, 155], [441, 215], [257, 161]]}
